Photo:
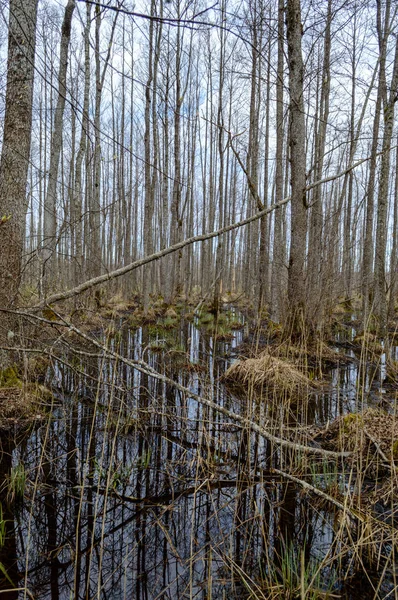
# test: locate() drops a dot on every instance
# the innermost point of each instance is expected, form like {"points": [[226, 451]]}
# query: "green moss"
{"points": [[9, 378], [351, 421], [395, 450], [157, 346], [206, 318], [369, 342], [222, 318], [156, 329], [274, 329], [169, 323]]}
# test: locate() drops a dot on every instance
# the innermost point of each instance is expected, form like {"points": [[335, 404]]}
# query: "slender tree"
{"points": [[50, 204], [297, 136]]}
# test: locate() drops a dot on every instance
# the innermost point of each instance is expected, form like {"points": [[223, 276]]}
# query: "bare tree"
{"points": [[50, 204], [15, 154], [298, 231]]}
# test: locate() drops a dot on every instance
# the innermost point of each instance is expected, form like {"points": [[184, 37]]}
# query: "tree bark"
{"points": [[298, 228], [278, 253], [50, 204], [15, 154], [382, 206]]}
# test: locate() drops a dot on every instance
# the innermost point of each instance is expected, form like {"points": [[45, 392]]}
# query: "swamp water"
{"points": [[130, 490]]}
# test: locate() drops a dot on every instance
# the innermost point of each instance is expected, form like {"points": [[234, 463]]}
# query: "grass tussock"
{"points": [[317, 353], [270, 373], [368, 342], [20, 407], [368, 433]]}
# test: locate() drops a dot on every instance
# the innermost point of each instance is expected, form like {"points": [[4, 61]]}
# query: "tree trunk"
{"points": [[367, 268], [298, 230], [278, 253], [50, 204], [78, 188], [315, 261], [382, 206], [16, 149]]}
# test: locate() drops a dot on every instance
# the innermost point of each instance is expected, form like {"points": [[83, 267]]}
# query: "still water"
{"points": [[134, 491]]}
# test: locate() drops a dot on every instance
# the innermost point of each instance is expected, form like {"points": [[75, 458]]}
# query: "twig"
{"points": [[388, 463], [86, 285]]}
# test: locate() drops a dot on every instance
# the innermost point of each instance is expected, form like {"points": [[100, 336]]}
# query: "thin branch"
{"points": [[90, 283], [144, 367], [357, 515]]}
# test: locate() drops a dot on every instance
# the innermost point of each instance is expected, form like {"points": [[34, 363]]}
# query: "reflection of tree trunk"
{"points": [[51, 514], [8, 552], [90, 501], [72, 478], [285, 528], [242, 503]]}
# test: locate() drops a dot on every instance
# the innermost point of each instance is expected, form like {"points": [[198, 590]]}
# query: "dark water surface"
{"points": [[134, 491]]}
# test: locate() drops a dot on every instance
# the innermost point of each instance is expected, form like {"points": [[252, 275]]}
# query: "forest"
{"points": [[198, 299]]}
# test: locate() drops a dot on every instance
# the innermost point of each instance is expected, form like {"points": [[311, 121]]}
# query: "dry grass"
{"points": [[270, 373], [312, 355], [21, 406], [368, 342], [361, 431]]}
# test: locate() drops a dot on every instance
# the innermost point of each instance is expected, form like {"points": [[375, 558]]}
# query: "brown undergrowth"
{"points": [[368, 433], [21, 407], [284, 368], [270, 373], [22, 403]]}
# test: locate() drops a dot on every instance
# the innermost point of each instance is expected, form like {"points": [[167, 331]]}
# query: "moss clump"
{"points": [[339, 309], [133, 322], [9, 378], [274, 329], [171, 313], [224, 336], [235, 324], [21, 407], [368, 341], [169, 323], [395, 450], [157, 345], [38, 367], [49, 314], [206, 318], [149, 317], [351, 422]]}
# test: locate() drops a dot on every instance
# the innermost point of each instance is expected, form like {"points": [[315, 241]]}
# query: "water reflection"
{"points": [[136, 491]]}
